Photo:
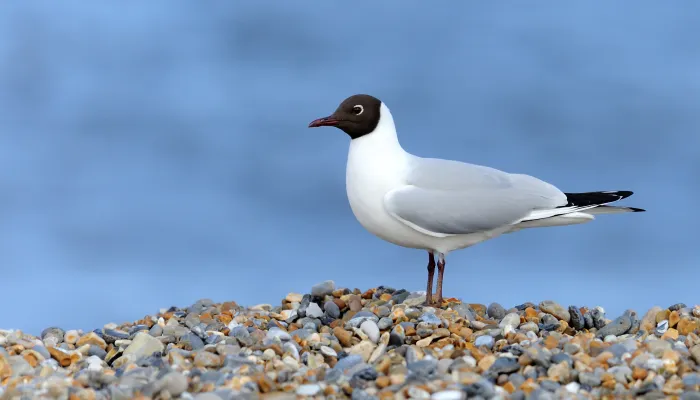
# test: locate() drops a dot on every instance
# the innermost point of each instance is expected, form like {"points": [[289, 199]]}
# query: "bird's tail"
{"points": [[580, 208]]}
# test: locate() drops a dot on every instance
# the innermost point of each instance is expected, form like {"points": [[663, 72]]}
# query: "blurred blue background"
{"points": [[152, 154]]}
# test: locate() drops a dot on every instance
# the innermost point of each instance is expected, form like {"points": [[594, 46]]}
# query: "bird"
{"points": [[442, 205]]}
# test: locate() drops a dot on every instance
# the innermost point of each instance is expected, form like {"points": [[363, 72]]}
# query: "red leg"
{"points": [[441, 271], [431, 273]]}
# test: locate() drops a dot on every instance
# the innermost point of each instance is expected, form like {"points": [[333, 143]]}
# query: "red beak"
{"points": [[327, 121]]}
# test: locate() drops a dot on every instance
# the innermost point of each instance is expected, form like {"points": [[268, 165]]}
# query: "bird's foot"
{"points": [[433, 302]]}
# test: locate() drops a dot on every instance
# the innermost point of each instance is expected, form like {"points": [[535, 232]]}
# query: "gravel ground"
{"points": [[378, 344]]}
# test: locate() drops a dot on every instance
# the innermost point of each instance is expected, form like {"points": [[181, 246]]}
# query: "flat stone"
{"points": [[314, 311], [175, 383], [484, 340], [414, 300], [322, 289], [512, 320], [617, 327], [206, 359], [554, 308], [309, 389], [278, 333], [190, 341], [504, 365], [144, 345]]}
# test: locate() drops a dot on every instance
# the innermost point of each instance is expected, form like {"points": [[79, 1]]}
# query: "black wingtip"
{"points": [[596, 198], [635, 209], [622, 193]]}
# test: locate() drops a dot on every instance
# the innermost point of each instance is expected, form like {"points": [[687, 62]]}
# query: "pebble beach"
{"points": [[381, 343]]}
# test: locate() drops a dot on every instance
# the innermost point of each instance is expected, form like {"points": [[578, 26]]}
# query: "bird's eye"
{"points": [[358, 109]]}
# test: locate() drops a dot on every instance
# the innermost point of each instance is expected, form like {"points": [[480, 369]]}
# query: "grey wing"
{"points": [[445, 198], [443, 213], [435, 173]]}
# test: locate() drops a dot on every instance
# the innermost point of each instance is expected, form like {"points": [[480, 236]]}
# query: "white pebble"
{"points": [[417, 393], [327, 351], [469, 361], [309, 389], [573, 387], [448, 395], [275, 332], [371, 329]]}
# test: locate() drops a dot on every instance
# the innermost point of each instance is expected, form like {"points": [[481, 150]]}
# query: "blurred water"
{"points": [[152, 154]]}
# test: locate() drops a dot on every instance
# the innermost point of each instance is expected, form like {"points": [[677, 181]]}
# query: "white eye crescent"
{"points": [[358, 109]]}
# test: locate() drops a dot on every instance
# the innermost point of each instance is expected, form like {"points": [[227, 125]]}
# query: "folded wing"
{"points": [[444, 198]]}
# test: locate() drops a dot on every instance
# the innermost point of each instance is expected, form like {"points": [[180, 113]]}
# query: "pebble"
{"points": [[314, 311], [554, 308], [617, 327], [144, 345], [511, 320], [331, 310], [371, 329], [496, 311], [484, 340], [379, 343], [322, 289]]}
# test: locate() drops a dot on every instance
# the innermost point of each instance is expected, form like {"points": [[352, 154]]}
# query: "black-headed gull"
{"points": [[442, 205]]}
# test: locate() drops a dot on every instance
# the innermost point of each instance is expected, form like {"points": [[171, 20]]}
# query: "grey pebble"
{"points": [[97, 352], [53, 332], [425, 368], [112, 335], [482, 388], [598, 318], [504, 365], [156, 330], [332, 310], [176, 330], [588, 378], [466, 312], [348, 362], [484, 340], [361, 317], [322, 289], [275, 332], [385, 323], [691, 380], [360, 394], [496, 311], [314, 311], [562, 357], [512, 319], [305, 301], [577, 321], [430, 318], [191, 341], [677, 306], [617, 327], [175, 383]]}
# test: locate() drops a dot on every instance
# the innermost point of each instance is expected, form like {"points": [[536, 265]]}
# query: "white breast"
{"points": [[376, 165]]}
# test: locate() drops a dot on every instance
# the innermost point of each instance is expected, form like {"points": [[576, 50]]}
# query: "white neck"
{"points": [[383, 141], [377, 156]]}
